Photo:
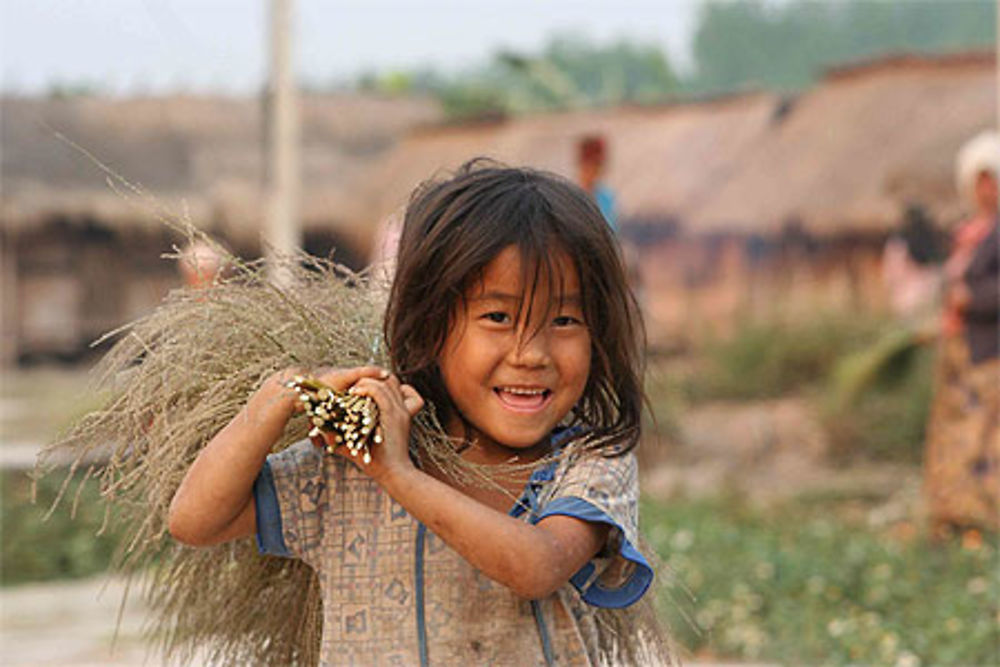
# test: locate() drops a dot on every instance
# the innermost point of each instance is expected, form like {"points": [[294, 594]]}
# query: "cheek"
{"points": [[581, 362]]}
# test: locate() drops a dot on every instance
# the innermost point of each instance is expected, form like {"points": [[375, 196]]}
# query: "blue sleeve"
{"points": [[591, 588], [270, 538], [606, 202]]}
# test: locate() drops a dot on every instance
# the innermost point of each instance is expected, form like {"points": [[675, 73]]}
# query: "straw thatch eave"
{"points": [[658, 162], [859, 147], [842, 159], [196, 156]]}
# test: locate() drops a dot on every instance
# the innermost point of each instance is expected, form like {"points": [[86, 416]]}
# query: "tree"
{"points": [[786, 46]]}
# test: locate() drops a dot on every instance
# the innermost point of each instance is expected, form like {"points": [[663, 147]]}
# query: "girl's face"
{"points": [[511, 377]]}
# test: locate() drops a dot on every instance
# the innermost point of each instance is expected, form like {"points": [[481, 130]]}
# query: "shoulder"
{"points": [[596, 472], [593, 484]]}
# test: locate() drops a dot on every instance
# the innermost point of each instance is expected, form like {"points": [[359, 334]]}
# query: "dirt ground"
{"points": [[72, 623]]}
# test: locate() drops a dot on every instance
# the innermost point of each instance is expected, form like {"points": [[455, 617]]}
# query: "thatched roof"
{"points": [[845, 156], [659, 158], [200, 154], [852, 152]]}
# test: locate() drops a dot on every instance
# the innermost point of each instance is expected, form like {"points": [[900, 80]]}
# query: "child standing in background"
{"points": [[511, 316], [591, 158]]}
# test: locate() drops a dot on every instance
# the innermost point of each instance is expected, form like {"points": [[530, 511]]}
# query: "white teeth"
{"points": [[522, 392]]}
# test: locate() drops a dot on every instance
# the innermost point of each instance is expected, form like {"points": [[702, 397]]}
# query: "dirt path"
{"points": [[70, 623]]}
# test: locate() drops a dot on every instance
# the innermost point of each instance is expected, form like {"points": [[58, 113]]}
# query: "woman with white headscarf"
{"points": [[962, 461]]}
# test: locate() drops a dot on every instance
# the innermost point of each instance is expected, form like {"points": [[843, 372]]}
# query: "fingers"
{"points": [[343, 378], [390, 394], [412, 401], [397, 402]]}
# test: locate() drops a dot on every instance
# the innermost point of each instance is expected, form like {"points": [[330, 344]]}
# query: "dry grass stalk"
{"points": [[174, 379]]}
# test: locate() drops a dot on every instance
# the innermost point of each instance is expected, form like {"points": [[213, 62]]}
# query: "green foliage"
{"points": [[571, 72], [787, 45], [878, 400], [77, 89], [63, 546], [773, 358], [871, 382], [783, 46], [605, 75], [802, 585]]}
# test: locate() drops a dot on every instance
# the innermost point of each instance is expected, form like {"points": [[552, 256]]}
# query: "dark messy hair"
{"points": [[455, 227]]}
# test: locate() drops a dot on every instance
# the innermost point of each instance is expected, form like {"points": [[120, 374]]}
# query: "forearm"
{"points": [[532, 560], [215, 500]]}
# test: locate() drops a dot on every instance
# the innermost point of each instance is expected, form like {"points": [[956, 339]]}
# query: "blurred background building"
{"points": [[736, 203]]}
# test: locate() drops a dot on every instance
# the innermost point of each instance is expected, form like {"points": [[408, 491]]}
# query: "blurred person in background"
{"points": [[962, 463], [591, 161], [591, 158], [911, 270], [199, 264], [382, 259]]}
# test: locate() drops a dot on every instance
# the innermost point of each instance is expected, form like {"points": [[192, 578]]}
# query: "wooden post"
{"points": [[10, 316], [282, 235]]}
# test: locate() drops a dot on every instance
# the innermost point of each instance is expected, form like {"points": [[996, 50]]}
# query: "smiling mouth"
{"points": [[523, 398]]}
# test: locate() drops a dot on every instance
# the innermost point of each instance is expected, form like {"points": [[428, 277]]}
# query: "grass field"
{"points": [[810, 583]]}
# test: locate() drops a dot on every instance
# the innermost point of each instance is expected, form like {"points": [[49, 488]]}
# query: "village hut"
{"points": [[80, 257], [752, 203], [832, 177], [734, 207]]}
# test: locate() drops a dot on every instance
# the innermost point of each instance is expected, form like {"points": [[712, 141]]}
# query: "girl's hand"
{"points": [[397, 404], [335, 378]]}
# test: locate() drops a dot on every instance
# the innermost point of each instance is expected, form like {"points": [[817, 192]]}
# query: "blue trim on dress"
{"points": [[543, 633], [418, 585], [270, 537], [593, 592]]}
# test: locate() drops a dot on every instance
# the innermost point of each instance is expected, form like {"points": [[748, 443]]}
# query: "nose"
{"points": [[530, 349]]}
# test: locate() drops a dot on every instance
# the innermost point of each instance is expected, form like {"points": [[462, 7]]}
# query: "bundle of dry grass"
{"points": [[174, 379]]}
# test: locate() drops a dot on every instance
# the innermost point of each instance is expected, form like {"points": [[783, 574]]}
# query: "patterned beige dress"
{"points": [[395, 594]]}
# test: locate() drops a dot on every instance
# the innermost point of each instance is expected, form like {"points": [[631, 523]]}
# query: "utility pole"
{"points": [[282, 235]]}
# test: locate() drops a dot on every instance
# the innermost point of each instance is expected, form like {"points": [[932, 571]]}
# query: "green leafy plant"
{"points": [[774, 357], [64, 545], [877, 400], [805, 584]]}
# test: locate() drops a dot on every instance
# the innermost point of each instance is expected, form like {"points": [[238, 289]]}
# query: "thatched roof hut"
{"points": [[845, 156], [852, 152], [660, 158], [203, 155], [79, 258]]}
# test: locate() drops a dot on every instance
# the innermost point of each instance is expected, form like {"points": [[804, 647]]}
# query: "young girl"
{"points": [[510, 318]]}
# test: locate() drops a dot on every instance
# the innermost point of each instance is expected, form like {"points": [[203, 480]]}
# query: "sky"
{"points": [[147, 46]]}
